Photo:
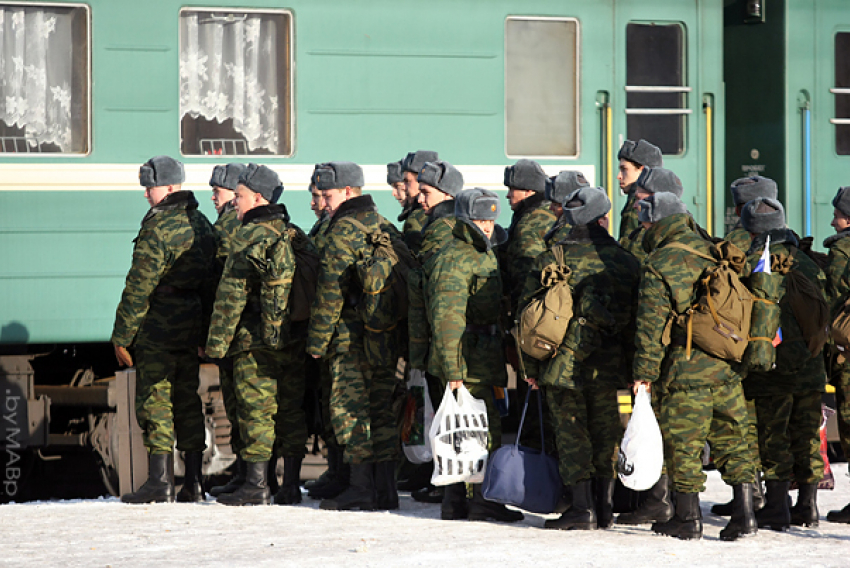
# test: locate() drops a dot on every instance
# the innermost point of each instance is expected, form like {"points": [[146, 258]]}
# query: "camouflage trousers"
{"points": [[840, 379], [587, 431], [494, 419], [167, 401], [270, 395], [751, 438], [361, 407], [690, 417], [325, 386], [789, 436], [228, 393]]}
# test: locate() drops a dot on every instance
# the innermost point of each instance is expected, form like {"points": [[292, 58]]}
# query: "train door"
{"points": [[826, 122], [658, 92]]}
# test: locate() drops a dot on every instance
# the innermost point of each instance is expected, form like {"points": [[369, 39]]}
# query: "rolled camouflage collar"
{"points": [[525, 206], [407, 210], [830, 241], [667, 230], [353, 206], [178, 200], [265, 213]]}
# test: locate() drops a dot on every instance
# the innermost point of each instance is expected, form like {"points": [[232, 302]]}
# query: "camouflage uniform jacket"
{"points": [[317, 232], [633, 242], [557, 232], [436, 235], [596, 260], [796, 370], [168, 291], [236, 324], [415, 219], [334, 321], [529, 224], [667, 289], [838, 271], [740, 237], [463, 292], [225, 227], [629, 215]]}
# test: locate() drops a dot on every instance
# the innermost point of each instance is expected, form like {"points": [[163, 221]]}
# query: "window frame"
{"points": [[577, 106], [837, 92], [89, 83], [686, 89], [290, 130]]}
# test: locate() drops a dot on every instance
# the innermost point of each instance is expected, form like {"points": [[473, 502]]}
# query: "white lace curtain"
{"points": [[229, 70], [36, 75]]}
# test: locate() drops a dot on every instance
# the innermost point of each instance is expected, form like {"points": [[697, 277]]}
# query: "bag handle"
{"points": [[540, 415]]}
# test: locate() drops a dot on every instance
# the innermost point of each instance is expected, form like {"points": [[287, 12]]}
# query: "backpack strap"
{"points": [[274, 230], [358, 224], [692, 251]]}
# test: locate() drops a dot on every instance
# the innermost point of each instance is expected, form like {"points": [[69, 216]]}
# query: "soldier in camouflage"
{"points": [[701, 394], [787, 399], [361, 396], [412, 215], [395, 179], [582, 394], [838, 292], [649, 181], [463, 294], [224, 181], [558, 188], [634, 157], [269, 381], [162, 315]]}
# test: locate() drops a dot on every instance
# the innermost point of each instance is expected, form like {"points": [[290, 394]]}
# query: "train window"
{"points": [[44, 78], [656, 94], [842, 94], [541, 86], [235, 82]]}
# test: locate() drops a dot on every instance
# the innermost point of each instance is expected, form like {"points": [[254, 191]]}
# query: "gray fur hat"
{"points": [[527, 175], [338, 175], [227, 176], [585, 205], [414, 161], [841, 201], [749, 188], [443, 176], [659, 180], [394, 173], [262, 180], [641, 152], [762, 214], [161, 170], [477, 204], [562, 185], [659, 206]]}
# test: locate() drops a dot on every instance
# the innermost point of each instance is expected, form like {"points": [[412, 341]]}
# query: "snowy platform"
{"points": [[106, 532]]}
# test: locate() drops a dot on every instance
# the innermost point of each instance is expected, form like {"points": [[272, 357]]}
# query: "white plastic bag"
{"points": [[642, 449], [459, 439], [416, 437]]}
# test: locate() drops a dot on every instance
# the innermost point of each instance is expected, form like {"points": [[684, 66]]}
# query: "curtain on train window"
{"points": [[234, 82], [842, 94], [656, 93], [541, 87], [44, 77]]}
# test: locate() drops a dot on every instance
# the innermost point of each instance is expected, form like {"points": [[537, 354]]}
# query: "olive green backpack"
{"points": [[274, 261]]}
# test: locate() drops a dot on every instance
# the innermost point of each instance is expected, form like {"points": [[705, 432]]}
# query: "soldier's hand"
{"points": [[123, 356], [637, 384], [201, 353], [532, 383], [454, 385]]}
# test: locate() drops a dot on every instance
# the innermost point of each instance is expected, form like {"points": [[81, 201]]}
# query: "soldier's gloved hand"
{"points": [[454, 385], [123, 356]]}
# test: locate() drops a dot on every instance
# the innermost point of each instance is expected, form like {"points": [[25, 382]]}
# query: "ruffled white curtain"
{"points": [[229, 70], [36, 75]]}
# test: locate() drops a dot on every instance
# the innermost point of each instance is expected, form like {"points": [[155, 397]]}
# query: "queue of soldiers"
{"points": [[228, 293]]}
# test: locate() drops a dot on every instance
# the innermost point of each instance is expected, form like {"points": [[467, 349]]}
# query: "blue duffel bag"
{"points": [[524, 477]]}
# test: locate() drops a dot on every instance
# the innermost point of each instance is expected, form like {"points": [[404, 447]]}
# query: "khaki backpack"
{"points": [[719, 321], [383, 277], [542, 323], [306, 278]]}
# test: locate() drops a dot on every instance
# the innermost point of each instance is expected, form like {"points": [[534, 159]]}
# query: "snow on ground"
{"points": [[106, 532]]}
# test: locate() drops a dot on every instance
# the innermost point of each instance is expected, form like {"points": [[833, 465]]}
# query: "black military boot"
{"points": [[159, 488], [289, 492], [385, 486], [328, 475], [842, 516], [725, 509], [743, 522], [657, 508], [805, 512], [776, 514], [604, 494], [339, 482], [482, 510], [428, 494], [255, 490], [359, 495], [418, 477], [566, 500], [582, 513], [235, 482], [686, 523], [454, 506], [192, 490]]}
